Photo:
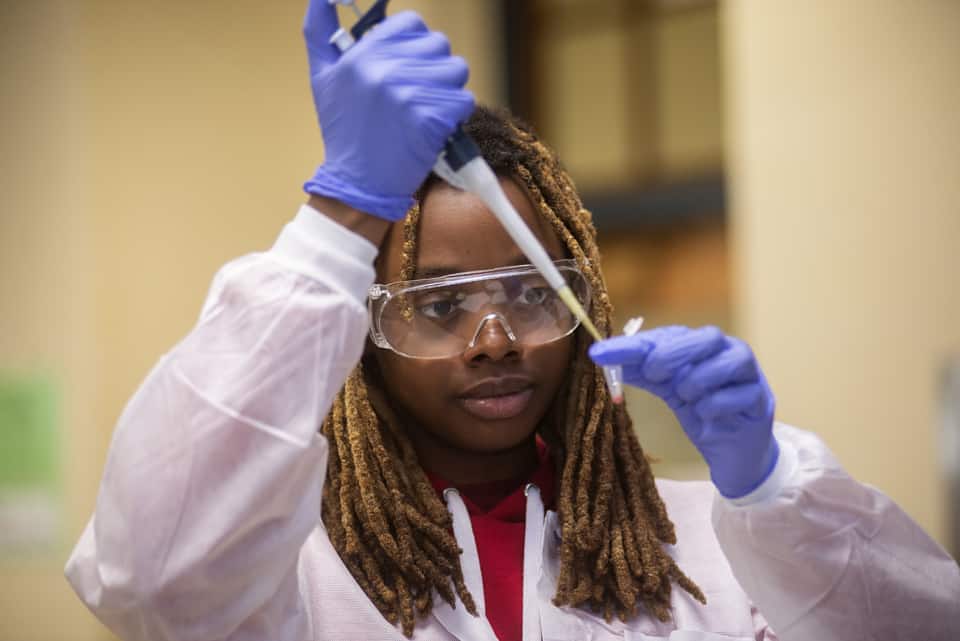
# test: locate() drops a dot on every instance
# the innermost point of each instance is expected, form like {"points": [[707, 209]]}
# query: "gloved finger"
{"points": [[768, 409], [449, 72], [732, 426], [420, 45], [735, 364], [622, 350], [443, 110], [664, 391], [685, 348], [632, 350], [749, 399], [319, 24]]}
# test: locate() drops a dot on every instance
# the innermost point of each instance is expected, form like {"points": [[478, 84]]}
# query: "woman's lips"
{"points": [[492, 408]]}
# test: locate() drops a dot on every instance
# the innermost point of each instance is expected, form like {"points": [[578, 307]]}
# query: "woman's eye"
{"points": [[535, 295], [439, 308]]}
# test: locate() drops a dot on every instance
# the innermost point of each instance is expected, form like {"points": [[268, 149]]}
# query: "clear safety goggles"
{"points": [[444, 316]]}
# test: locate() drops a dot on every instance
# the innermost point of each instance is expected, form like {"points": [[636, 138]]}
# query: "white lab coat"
{"points": [[207, 523]]}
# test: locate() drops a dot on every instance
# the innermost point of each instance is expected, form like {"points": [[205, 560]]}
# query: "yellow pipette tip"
{"points": [[570, 300]]}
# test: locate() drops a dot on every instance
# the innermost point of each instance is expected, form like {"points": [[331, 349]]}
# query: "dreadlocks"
{"points": [[385, 519]]}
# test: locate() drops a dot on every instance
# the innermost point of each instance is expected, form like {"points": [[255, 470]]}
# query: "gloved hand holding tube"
{"points": [[386, 107], [714, 386]]}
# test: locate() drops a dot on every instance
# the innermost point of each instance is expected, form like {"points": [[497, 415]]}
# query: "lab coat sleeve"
{"points": [[214, 474], [825, 557]]}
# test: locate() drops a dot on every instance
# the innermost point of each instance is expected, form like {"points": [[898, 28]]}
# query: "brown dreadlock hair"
{"points": [[394, 532]]}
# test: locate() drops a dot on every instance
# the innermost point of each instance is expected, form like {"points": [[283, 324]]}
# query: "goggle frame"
{"points": [[379, 294]]}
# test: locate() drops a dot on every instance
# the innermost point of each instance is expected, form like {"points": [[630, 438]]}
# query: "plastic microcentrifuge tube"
{"points": [[613, 374]]}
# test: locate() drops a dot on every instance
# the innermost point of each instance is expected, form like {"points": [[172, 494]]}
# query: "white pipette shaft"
{"points": [[480, 180], [476, 177]]}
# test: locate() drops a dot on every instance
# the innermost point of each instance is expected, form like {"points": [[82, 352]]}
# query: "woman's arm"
{"points": [[214, 475], [825, 557]]}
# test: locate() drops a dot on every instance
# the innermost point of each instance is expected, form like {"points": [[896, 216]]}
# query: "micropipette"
{"points": [[461, 164]]}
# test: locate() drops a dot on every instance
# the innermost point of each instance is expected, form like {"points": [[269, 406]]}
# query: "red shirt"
{"points": [[497, 513]]}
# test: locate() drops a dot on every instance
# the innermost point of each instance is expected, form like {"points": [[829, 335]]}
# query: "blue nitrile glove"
{"points": [[386, 107], [714, 386]]}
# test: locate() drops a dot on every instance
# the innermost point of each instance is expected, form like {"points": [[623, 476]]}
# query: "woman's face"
{"points": [[490, 398]]}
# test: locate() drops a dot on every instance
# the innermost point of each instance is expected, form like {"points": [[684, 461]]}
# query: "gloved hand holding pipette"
{"points": [[714, 386], [386, 108]]}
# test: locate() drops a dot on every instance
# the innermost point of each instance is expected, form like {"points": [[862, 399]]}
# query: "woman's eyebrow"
{"points": [[434, 271]]}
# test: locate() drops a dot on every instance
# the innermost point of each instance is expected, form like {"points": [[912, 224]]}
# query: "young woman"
{"points": [[462, 473]]}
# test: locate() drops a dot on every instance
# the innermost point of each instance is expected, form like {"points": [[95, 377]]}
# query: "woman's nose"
{"points": [[493, 341]]}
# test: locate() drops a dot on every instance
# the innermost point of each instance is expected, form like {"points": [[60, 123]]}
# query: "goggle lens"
{"points": [[439, 318]]}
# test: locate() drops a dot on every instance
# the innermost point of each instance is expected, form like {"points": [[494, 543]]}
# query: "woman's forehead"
{"points": [[457, 232]]}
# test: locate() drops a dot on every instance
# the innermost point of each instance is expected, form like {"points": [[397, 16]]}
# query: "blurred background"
{"points": [[789, 171]]}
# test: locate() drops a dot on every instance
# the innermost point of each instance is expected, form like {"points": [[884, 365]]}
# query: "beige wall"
{"points": [[844, 164], [45, 290], [631, 94]]}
